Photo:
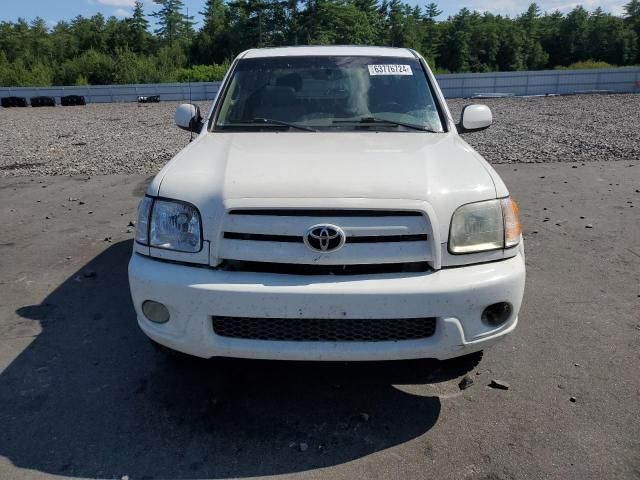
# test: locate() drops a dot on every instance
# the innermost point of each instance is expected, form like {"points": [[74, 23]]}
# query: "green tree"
{"points": [[64, 43], [632, 20], [396, 21], [455, 50], [89, 33], [138, 29], [510, 55], [431, 33], [549, 30], [102, 50], [573, 36], [336, 22], [369, 8], [173, 24], [212, 42], [117, 35], [40, 44], [535, 58]]}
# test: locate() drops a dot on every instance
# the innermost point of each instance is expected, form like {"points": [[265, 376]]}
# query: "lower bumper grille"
{"points": [[325, 330]]}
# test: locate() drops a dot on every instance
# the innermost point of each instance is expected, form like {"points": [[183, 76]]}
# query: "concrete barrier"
{"points": [[456, 85]]}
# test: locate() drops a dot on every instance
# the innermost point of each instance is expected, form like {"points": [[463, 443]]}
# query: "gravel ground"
{"points": [[96, 139], [558, 129], [123, 138]]}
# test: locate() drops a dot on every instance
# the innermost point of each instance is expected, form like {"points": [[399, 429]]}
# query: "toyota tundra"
{"points": [[328, 210]]}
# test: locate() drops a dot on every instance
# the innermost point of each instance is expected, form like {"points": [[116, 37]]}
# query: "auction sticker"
{"points": [[390, 70]]}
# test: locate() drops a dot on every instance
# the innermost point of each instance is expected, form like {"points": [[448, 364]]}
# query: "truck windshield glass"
{"points": [[329, 93]]}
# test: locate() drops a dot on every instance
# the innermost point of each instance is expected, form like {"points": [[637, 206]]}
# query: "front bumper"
{"points": [[456, 296]]}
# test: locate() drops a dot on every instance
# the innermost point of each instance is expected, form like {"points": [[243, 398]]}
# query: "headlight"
{"points": [[169, 224], [484, 226], [175, 226]]}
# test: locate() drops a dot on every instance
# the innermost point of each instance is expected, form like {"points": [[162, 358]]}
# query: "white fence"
{"points": [[120, 93], [545, 82]]}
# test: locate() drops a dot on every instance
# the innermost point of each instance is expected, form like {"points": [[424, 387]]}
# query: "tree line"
{"points": [[99, 50]]}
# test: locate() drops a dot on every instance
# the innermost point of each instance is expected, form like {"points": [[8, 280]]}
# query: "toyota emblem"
{"points": [[324, 238]]}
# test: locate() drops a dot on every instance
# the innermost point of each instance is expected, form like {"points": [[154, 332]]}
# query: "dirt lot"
{"points": [[83, 394]]}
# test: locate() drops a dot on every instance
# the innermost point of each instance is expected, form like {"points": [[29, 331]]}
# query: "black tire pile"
{"points": [[9, 102], [149, 99], [42, 101], [72, 100]]}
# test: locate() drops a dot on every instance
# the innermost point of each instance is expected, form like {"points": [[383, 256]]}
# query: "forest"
{"points": [[165, 45]]}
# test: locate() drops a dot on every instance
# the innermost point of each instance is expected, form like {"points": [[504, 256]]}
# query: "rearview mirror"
{"points": [[188, 117], [474, 118]]}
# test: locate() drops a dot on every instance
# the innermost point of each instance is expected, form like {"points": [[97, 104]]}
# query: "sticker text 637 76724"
{"points": [[390, 70]]}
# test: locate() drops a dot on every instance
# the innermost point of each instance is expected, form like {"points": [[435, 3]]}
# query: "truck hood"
{"points": [[222, 168]]}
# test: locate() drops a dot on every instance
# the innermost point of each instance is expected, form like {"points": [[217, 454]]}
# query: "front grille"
{"points": [[396, 238], [259, 237], [324, 330], [304, 269]]}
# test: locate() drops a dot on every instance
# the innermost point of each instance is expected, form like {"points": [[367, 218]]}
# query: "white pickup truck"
{"points": [[328, 210]]}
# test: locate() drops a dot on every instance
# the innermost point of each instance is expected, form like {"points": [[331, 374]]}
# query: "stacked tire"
{"points": [[43, 101], [10, 102], [149, 99], [72, 100]]}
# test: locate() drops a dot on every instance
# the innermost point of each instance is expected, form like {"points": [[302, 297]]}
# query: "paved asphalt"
{"points": [[83, 394]]}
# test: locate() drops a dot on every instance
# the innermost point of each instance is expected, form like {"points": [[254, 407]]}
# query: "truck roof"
{"points": [[334, 50]]}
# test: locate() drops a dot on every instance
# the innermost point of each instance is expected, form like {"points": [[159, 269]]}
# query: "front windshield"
{"points": [[329, 93]]}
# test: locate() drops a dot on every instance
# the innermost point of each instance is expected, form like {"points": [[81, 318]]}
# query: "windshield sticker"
{"points": [[390, 70]]}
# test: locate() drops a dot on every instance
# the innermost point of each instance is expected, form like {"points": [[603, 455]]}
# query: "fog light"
{"points": [[496, 314], [155, 311]]}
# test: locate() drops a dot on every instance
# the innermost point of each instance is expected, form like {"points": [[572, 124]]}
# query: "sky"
{"points": [[54, 10]]}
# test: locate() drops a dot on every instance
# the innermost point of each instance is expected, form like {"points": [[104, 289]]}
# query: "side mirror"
{"points": [[474, 118], [188, 117]]}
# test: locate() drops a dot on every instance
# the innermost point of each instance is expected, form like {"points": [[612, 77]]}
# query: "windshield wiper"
{"points": [[271, 121], [375, 120]]}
